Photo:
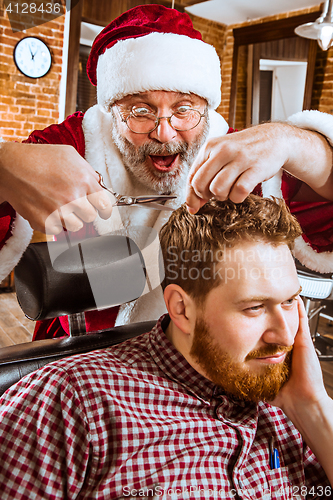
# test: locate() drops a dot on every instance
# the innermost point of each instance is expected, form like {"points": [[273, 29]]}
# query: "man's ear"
{"points": [[181, 308]]}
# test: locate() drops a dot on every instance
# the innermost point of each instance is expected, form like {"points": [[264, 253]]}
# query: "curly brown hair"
{"points": [[195, 243]]}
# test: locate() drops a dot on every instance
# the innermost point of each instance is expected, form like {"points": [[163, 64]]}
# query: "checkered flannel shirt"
{"points": [[137, 420]]}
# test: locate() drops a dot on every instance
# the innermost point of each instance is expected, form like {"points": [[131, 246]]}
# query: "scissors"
{"points": [[151, 201]]}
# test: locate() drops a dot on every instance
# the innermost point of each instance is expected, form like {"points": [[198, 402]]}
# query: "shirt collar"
{"points": [[175, 366]]}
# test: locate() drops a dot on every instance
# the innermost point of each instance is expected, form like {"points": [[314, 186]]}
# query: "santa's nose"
{"points": [[163, 132]]}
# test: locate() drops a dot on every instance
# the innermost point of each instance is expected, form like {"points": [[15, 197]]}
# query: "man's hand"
{"points": [[304, 398], [39, 179], [233, 165], [305, 386]]}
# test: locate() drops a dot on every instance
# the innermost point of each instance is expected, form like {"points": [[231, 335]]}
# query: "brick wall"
{"points": [[27, 104], [241, 108], [215, 34], [322, 96]]}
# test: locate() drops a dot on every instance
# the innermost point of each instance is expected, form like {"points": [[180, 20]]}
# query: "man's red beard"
{"points": [[235, 379]]}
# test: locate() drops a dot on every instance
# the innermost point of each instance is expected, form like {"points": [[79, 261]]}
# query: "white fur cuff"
{"points": [[15, 246], [322, 123], [314, 120]]}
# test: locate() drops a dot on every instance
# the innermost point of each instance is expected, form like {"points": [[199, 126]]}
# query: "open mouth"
{"points": [[163, 163]]}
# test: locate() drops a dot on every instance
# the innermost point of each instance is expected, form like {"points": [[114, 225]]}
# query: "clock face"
{"points": [[32, 57]]}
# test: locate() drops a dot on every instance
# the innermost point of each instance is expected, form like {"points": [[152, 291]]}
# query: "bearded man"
{"points": [[158, 85], [192, 408]]}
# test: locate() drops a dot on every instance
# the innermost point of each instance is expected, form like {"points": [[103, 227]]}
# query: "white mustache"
{"points": [[162, 149]]}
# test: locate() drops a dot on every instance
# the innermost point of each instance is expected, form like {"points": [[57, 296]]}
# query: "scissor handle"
{"points": [[100, 180], [151, 201]]}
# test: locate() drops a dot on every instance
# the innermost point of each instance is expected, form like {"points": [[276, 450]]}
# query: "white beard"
{"points": [[135, 159]]}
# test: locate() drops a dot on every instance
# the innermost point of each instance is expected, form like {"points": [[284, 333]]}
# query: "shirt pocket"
{"points": [[279, 486]]}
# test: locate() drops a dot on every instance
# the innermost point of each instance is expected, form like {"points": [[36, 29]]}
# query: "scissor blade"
{"points": [[155, 197], [157, 206], [154, 206]]}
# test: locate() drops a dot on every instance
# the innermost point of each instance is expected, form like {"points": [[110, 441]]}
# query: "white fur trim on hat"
{"points": [[159, 61], [314, 120], [15, 246]]}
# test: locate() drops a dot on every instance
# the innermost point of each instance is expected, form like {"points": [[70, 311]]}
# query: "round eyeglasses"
{"points": [[182, 120]]}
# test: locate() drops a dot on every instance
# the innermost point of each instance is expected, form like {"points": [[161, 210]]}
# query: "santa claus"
{"points": [[154, 127]]}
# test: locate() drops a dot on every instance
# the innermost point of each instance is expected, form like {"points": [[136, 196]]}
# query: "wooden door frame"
{"points": [[266, 32], [73, 57]]}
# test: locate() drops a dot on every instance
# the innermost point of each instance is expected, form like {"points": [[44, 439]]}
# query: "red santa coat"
{"points": [[89, 135]]}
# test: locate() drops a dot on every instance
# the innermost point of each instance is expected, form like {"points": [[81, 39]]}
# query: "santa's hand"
{"points": [[39, 179], [233, 165], [73, 215], [305, 386]]}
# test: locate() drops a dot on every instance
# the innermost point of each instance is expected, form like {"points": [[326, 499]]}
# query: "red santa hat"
{"points": [[151, 47]]}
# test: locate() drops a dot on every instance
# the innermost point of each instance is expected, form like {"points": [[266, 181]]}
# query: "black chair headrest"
{"points": [[18, 360], [53, 279]]}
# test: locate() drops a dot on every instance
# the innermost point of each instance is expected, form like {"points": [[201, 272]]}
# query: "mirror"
{"points": [[278, 77], [281, 89]]}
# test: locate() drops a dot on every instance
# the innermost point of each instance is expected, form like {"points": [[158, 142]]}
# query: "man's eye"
{"points": [[183, 109], [289, 302], [254, 308], [141, 111]]}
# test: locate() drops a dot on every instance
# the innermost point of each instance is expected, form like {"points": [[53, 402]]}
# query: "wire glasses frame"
{"points": [[182, 122]]}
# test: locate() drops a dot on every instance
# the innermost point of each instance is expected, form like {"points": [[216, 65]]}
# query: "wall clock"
{"points": [[32, 57]]}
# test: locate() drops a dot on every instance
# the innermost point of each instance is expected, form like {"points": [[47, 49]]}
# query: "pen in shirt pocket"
{"points": [[274, 460]]}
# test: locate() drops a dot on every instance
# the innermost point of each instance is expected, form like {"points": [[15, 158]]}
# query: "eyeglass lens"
{"points": [[179, 121]]}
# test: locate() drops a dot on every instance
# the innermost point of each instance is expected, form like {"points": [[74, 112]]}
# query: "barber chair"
{"points": [[317, 294], [53, 280], [56, 280]]}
